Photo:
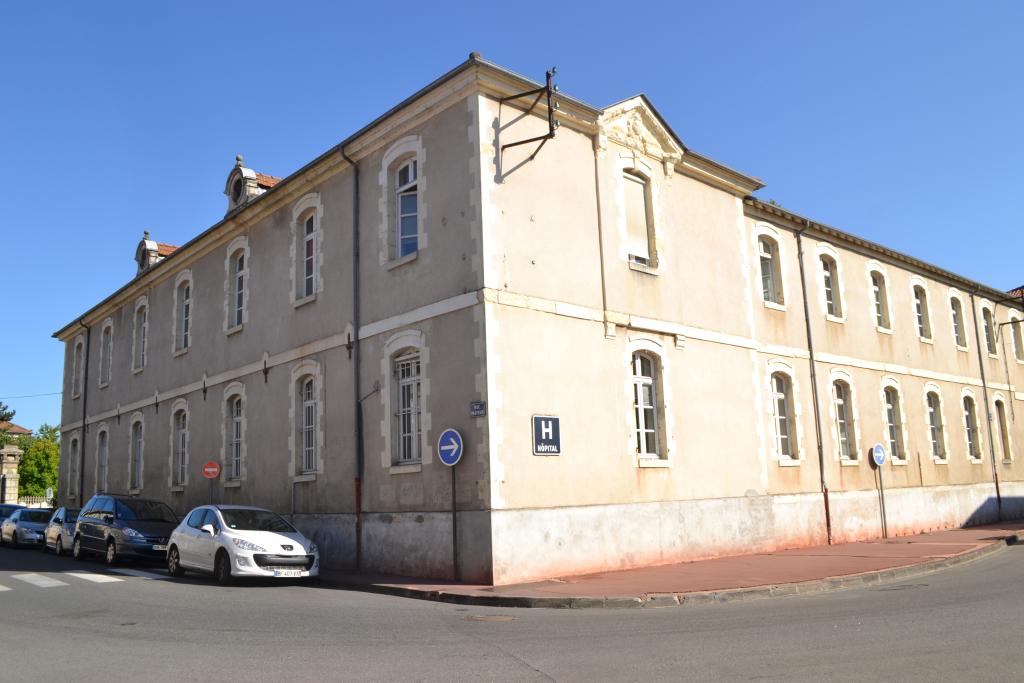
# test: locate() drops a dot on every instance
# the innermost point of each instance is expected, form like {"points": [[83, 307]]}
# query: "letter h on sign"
{"points": [[547, 436]]}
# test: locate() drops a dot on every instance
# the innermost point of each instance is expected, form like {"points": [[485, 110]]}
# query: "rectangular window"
{"points": [[235, 438], [830, 277], [184, 315], [76, 370], [638, 232], [408, 209], [844, 421], [989, 329], [782, 402], [894, 423], [135, 463], [935, 426], [1004, 432], [1018, 339], [73, 468], [957, 312], [881, 300], [971, 428], [645, 406], [309, 258], [408, 408], [238, 289], [140, 338], [924, 325], [180, 443], [106, 354], [307, 429], [770, 280]]}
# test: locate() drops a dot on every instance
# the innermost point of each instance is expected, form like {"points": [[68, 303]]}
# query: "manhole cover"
{"points": [[488, 617]]}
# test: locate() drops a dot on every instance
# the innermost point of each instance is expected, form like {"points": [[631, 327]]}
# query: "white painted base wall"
{"points": [[541, 543], [334, 535]]}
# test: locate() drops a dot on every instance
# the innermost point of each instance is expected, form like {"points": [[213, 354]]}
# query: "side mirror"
{"points": [[209, 528], [108, 518]]}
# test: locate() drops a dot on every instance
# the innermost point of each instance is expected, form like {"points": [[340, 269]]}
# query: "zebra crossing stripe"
{"points": [[95, 578], [3, 588], [38, 580], [138, 573]]}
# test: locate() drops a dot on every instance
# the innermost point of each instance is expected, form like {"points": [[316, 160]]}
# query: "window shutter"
{"points": [[636, 216]]}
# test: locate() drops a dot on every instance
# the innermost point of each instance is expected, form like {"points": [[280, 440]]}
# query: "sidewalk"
{"points": [[745, 577]]}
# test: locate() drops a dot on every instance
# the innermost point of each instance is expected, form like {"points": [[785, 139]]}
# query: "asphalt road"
{"points": [[963, 623]]}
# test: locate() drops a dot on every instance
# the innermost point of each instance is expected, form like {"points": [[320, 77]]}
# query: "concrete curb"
{"points": [[658, 600]]}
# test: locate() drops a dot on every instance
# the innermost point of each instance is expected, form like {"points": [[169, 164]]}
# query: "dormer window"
{"points": [[245, 184], [236, 190]]}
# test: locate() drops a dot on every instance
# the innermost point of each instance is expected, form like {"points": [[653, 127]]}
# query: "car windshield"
{"points": [[70, 515], [8, 510], [255, 520], [144, 511], [36, 516]]}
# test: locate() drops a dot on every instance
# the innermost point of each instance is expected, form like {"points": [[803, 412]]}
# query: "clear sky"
{"points": [[897, 121]]}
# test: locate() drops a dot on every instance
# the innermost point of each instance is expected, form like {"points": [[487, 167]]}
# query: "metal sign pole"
{"points": [[455, 532], [881, 493]]}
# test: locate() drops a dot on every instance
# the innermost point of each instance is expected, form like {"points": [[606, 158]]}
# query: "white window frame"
{"points": [[233, 429], [136, 453], [407, 445], [404, 343], [764, 231], [988, 329], [894, 431], [140, 334], [1016, 336], [1003, 432], [966, 394], [184, 292], [77, 366], [837, 376], [930, 429], [830, 281], [309, 206], [879, 299], [106, 353], [238, 248], [640, 426], [410, 188], [961, 329], [403, 150], [178, 470], [921, 309], [306, 370], [784, 417], [102, 456]]}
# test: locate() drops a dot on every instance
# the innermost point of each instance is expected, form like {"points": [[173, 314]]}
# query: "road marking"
{"points": [[95, 578], [140, 574], [3, 588], [38, 580]]}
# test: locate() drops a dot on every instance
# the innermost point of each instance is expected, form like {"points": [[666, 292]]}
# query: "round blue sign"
{"points": [[878, 454], [449, 447]]}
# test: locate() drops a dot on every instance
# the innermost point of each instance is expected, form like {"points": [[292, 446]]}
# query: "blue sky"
{"points": [[900, 122]]}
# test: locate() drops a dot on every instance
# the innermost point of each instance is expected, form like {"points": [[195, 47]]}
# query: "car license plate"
{"points": [[159, 547], [290, 572]]}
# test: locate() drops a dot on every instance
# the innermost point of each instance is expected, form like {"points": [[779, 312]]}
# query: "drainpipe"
{"points": [[988, 409], [356, 384], [85, 396], [814, 381], [600, 233]]}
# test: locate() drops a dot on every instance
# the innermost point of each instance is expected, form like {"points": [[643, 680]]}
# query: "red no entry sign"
{"points": [[211, 470]]}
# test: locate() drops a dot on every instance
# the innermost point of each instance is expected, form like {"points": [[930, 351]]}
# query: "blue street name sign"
{"points": [[878, 454], [547, 435], [449, 447]]}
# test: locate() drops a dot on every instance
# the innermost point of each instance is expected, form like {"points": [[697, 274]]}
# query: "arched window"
{"points": [[924, 323], [830, 284], [1018, 338], [407, 205], [135, 456], [989, 329], [307, 248], [771, 276], [844, 420], [183, 295], [307, 425], [73, 464], [894, 423], [646, 405], [179, 425], [140, 333], [106, 354], [782, 414], [935, 426], [307, 285], [880, 294], [1003, 430], [408, 407], [236, 308], [102, 459], [77, 368], [971, 429], [234, 433], [956, 310]]}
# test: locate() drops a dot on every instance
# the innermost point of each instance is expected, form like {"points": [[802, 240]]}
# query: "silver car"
{"points": [[26, 526], [60, 533]]}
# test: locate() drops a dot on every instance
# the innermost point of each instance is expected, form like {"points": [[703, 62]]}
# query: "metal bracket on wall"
{"points": [[547, 92]]}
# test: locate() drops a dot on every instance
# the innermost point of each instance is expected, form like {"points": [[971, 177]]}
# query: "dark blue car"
{"points": [[117, 527]]}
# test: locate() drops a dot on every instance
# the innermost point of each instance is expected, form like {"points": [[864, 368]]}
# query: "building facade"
{"points": [[720, 367]]}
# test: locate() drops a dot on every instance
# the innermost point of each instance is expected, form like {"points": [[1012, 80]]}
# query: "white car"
{"points": [[233, 541]]}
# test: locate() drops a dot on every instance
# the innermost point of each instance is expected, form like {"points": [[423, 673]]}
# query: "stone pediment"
{"points": [[634, 124]]}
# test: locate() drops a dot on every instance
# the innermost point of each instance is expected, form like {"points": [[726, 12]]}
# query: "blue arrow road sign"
{"points": [[449, 447], [878, 454]]}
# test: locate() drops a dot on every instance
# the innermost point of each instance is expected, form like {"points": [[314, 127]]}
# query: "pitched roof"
{"points": [[11, 428], [266, 181], [1018, 292], [165, 249]]}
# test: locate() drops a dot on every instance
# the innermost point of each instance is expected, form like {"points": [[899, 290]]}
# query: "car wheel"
{"points": [[76, 549], [111, 556], [174, 567], [14, 539], [222, 569], [58, 549]]}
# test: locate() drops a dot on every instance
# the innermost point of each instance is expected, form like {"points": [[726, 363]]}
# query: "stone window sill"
{"points": [[789, 462], [103, 385], [899, 463], [774, 306], [181, 352], [234, 330], [136, 371], [653, 462], [834, 318], [134, 492], [883, 330], [178, 488], [298, 303], [976, 461], [849, 462], [409, 468], [926, 340], [643, 268], [299, 478], [408, 258], [962, 348], [232, 483]]}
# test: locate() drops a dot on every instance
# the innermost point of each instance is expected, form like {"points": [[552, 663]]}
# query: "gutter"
{"points": [[85, 396], [988, 408], [814, 381]]}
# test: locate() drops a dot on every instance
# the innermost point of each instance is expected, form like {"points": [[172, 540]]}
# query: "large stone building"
{"points": [[720, 367]]}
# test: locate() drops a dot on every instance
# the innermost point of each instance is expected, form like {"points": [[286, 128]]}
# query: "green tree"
{"points": [[6, 414], [39, 461]]}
